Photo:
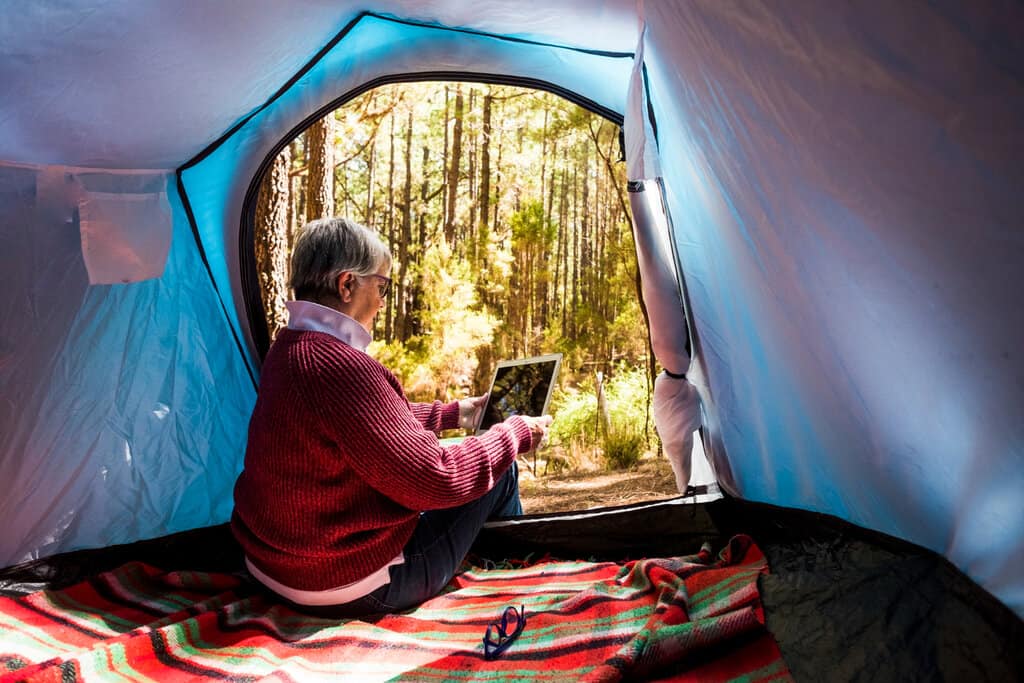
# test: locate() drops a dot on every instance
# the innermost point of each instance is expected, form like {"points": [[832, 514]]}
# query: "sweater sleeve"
{"points": [[436, 416], [362, 409]]}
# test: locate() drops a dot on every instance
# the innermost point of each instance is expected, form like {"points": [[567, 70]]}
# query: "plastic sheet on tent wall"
{"points": [[124, 407], [125, 226]]}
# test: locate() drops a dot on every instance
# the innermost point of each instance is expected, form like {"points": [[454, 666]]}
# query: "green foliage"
{"points": [[623, 446], [439, 363], [575, 412], [626, 396], [623, 439], [529, 227]]}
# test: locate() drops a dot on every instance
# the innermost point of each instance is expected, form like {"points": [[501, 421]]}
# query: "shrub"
{"points": [[623, 446], [440, 363], [629, 433], [577, 428], [576, 417]]}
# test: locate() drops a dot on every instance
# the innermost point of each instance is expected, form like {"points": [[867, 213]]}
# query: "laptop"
{"points": [[520, 387]]}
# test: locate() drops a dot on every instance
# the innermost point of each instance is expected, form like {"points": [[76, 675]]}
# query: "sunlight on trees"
{"points": [[506, 213]]}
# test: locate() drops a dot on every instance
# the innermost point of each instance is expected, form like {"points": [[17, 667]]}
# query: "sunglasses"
{"points": [[383, 287], [498, 637]]}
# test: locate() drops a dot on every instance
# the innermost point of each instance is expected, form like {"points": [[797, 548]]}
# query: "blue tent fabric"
{"points": [[842, 184], [130, 419]]}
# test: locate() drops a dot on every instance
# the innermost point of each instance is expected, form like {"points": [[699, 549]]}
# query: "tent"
{"points": [[831, 250]]}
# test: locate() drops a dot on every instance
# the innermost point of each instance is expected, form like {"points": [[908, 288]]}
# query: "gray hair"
{"points": [[327, 247]]}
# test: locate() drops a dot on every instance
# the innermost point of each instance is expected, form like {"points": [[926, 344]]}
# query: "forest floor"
{"points": [[650, 479]]}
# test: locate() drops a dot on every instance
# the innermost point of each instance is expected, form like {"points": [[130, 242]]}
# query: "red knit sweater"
{"points": [[339, 464]]}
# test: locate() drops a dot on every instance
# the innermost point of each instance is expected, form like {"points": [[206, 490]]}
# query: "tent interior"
{"points": [[829, 229]]}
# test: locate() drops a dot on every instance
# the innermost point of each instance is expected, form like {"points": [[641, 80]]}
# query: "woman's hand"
{"points": [[538, 429], [471, 410]]}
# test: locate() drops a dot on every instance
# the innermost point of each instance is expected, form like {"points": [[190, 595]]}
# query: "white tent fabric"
{"points": [[842, 184], [171, 77], [676, 403]]}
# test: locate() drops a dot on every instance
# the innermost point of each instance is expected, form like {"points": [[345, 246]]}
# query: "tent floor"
{"points": [[844, 603]]}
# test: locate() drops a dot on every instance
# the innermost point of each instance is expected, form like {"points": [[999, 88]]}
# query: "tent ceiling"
{"points": [[85, 84]]}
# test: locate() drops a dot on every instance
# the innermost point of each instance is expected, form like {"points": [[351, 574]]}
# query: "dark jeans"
{"points": [[433, 554]]}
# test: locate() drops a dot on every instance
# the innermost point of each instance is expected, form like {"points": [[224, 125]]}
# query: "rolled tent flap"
{"points": [[641, 146], [676, 417], [677, 411]]}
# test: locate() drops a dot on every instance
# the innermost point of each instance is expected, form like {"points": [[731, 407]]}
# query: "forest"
{"points": [[507, 215]]}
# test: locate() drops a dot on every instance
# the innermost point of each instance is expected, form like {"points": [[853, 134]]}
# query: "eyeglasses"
{"points": [[497, 637], [383, 287]]}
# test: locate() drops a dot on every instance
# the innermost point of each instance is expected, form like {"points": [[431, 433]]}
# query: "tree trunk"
{"points": [[453, 168], [544, 159], [574, 315], [444, 160], [469, 229], [563, 222], [401, 305], [389, 311], [485, 181], [320, 176], [495, 219], [546, 294], [271, 238], [300, 159], [371, 160], [412, 314]]}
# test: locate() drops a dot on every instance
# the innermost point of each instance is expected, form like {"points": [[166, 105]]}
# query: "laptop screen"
{"points": [[520, 387]]}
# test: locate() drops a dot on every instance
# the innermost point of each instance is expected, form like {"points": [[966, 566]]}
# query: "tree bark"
{"points": [[401, 305], [371, 160], [453, 168], [389, 311], [469, 229], [320, 176], [485, 180], [271, 241]]}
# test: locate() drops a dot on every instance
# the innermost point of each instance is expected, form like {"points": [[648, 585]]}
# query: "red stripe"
{"points": [[658, 640]]}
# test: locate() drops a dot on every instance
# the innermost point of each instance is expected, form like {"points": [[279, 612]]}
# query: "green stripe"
{"points": [[185, 638], [70, 606], [531, 636], [102, 665], [537, 570], [32, 637], [708, 594], [527, 675], [134, 582]]}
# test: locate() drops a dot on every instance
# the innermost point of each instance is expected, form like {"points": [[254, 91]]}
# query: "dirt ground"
{"points": [[651, 479]]}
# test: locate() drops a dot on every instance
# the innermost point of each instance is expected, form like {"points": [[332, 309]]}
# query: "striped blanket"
{"points": [[684, 618]]}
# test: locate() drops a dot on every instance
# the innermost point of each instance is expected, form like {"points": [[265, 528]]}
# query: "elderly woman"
{"points": [[348, 503]]}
